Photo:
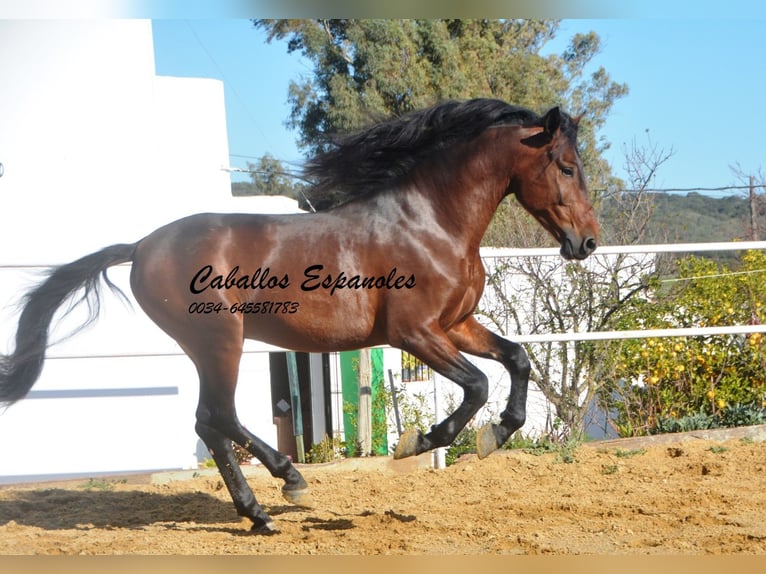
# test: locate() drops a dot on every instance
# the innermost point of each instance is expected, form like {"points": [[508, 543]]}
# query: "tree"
{"points": [[756, 201], [626, 214], [269, 177], [547, 295], [364, 69]]}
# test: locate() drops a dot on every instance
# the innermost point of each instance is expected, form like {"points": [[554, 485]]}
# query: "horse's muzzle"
{"points": [[583, 249]]}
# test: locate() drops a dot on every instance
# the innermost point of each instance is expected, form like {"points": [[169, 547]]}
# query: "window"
{"points": [[413, 369]]}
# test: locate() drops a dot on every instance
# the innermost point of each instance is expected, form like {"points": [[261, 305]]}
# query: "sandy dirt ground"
{"points": [[677, 495]]}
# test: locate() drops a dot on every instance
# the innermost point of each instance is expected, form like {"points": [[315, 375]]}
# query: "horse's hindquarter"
{"points": [[274, 278]]}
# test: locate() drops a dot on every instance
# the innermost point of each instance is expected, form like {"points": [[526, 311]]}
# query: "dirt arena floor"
{"points": [[681, 494]]}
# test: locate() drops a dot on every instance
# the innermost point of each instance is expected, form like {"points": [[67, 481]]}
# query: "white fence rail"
{"points": [[639, 334], [613, 249], [494, 253]]}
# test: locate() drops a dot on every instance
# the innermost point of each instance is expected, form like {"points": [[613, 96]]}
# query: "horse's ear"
{"points": [[552, 121]]}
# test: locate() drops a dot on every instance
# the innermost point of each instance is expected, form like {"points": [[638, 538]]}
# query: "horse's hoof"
{"points": [[408, 444], [264, 528], [299, 497], [486, 441]]}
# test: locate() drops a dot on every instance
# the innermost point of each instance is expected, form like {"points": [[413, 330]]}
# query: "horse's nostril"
{"points": [[590, 244]]}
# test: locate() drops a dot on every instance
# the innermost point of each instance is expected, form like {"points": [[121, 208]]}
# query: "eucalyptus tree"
{"points": [[366, 69]]}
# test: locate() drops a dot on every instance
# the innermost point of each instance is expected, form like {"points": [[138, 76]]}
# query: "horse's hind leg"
{"points": [[475, 339], [221, 450], [217, 425], [295, 488], [218, 428]]}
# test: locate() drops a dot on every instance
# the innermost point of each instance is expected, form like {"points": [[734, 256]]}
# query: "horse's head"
{"points": [[551, 185]]}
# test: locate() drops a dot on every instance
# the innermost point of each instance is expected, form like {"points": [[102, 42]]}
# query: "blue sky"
{"points": [[696, 85]]}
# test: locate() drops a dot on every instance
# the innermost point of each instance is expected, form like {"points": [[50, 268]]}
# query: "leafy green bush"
{"points": [[698, 382], [464, 443], [327, 450], [742, 415], [731, 416]]}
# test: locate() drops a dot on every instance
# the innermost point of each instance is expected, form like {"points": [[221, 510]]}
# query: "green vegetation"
{"points": [[628, 453], [465, 443], [102, 485], [268, 176], [327, 450], [687, 383], [699, 218]]}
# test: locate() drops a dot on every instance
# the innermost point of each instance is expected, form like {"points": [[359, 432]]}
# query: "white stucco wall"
{"points": [[98, 150]]}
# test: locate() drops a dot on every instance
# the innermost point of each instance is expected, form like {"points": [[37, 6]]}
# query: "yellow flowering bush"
{"points": [[658, 380]]}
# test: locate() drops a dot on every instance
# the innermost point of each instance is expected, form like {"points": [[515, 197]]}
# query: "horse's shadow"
{"points": [[60, 509]]}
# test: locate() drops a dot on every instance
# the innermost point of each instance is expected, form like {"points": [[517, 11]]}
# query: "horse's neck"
{"points": [[433, 218], [466, 194]]}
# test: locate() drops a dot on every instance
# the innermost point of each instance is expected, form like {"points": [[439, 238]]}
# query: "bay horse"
{"points": [[390, 257]]}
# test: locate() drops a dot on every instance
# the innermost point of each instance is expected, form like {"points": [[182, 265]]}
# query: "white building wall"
{"points": [[98, 150]]}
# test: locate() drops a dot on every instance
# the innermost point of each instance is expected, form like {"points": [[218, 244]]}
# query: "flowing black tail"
{"points": [[20, 370]]}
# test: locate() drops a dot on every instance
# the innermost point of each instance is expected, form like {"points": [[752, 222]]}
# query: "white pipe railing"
{"points": [[533, 338], [638, 334], [129, 354], [495, 253]]}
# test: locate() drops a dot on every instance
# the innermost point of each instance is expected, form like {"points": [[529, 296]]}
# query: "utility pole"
{"points": [[365, 403], [295, 403], [753, 211]]}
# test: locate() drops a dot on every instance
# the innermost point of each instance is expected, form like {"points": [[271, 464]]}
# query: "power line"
{"points": [[680, 189], [243, 156], [603, 190], [227, 83], [290, 174]]}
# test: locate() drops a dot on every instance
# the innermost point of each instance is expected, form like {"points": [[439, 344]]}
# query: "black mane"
{"points": [[367, 161]]}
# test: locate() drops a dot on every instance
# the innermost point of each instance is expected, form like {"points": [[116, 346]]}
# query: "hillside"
{"points": [[699, 218]]}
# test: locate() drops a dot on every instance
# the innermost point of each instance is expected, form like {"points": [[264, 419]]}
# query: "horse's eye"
{"points": [[567, 171]]}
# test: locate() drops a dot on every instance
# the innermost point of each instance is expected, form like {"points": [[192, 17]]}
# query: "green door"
{"points": [[349, 372]]}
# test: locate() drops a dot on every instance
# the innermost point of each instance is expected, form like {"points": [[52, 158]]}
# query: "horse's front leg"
{"points": [[436, 349], [473, 338]]}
